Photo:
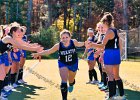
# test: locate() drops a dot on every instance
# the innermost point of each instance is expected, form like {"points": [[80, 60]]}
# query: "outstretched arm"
{"points": [[16, 44], [47, 52], [28, 44], [78, 44], [85, 52], [109, 35]]}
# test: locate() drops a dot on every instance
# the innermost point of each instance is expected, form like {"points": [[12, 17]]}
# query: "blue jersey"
{"points": [[24, 51], [112, 50], [113, 43], [101, 37], [91, 56], [68, 55], [5, 47], [24, 38], [92, 40], [3, 53]]}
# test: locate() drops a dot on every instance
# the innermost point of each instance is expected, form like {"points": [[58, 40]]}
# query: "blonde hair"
{"points": [[1, 31], [99, 23], [65, 31]]}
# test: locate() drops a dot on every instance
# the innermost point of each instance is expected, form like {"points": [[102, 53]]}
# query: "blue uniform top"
{"points": [[68, 55], [101, 38], [24, 38], [113, 43], [92, 40], [5, 47]]}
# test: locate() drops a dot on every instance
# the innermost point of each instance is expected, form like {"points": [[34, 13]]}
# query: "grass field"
{"points": [[43, 82]]}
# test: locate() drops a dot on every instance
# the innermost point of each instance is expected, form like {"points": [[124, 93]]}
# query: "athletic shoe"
{"points": [[8, 88], [70, 88], [120, 98], [89, 82], [5, 93], [100, 83], [107, 90], [104, 88], [3, 98], [21, 81], [100, 86], [15, 85], [94, 82]]}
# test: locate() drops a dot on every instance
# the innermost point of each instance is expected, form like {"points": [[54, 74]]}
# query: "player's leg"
{"points": [[64, 77]]}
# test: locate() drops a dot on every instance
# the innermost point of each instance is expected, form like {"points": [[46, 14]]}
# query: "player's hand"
{"points": [[38, 48], [83, 56], [96, 55], [88, 44], [35, 55]]}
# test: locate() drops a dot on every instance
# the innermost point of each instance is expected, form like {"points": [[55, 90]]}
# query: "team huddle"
{"points": [[104, 47]]}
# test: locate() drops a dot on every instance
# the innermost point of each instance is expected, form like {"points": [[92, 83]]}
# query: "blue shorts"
{"points": [[91, 57], [4, 59], [73, 67], [112, 57], [18, 56], [24, 53]]}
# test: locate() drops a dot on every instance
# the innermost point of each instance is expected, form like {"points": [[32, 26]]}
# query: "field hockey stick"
{"points": [[18, 68], [33, 67]]}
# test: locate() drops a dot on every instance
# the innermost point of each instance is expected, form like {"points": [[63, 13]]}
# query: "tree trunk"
{"points": [[69, 17], [74, 16], [49, 22], [65, 13], [29, 16]]}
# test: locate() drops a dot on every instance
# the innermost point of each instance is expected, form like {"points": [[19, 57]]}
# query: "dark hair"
{"points": [[21, 29], [108, 19], [13, 29]]}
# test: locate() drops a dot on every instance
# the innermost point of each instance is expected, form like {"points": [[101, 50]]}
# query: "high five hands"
{"points": [[88, 44]]}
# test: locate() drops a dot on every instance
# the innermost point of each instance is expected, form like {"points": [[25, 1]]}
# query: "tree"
{"points": [[105, 5], [29, 16]]}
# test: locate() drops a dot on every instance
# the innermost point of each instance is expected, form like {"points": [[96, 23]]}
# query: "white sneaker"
{"points": [[100, 86], [15, 85], [100, 83], [94, 82], [3, 95], [21, 81], [8, 88], [120, 98], [3, 98]]}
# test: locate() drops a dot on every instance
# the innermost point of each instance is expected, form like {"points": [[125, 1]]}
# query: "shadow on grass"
{"points": [[24, 92], [132, 94]]}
